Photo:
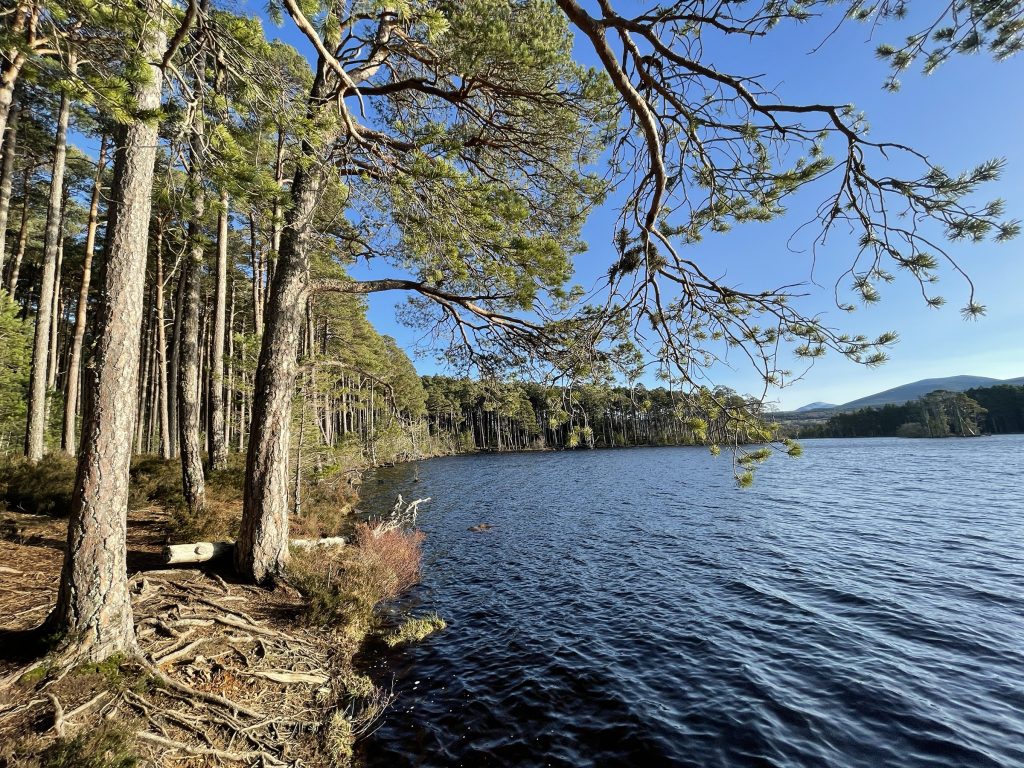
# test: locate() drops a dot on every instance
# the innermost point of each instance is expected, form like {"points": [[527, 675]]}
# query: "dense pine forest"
{"points": [[193, 213], [994, 410]]}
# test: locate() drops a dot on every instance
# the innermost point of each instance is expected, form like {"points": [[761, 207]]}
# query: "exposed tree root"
{"points": [[215, 681], [235, 757]]}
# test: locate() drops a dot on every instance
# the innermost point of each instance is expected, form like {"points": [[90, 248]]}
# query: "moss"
{"points": [[415, 629], [109, 669], [34, 676]]}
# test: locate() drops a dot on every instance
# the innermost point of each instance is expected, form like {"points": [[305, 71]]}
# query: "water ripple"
{"points": [[862, 606]]}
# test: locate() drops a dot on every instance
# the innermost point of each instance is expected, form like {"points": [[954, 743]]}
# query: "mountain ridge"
{"points": [[911, 391]]}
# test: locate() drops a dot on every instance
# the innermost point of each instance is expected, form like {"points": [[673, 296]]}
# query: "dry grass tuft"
{"points": [[415, 629]]}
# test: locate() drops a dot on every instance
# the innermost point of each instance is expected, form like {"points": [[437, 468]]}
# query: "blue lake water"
{"points": [[860, 606]]}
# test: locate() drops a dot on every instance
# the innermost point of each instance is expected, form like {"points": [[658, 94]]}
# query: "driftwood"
{"points": [[204, 551], [403, 515]]}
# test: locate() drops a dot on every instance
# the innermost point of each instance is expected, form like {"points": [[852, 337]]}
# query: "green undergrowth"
{"points": [[39, 489], [45, 488], [111, 745]]}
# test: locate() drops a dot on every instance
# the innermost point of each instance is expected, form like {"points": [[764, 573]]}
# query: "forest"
{"points": [[194, 214], [997, 410]]}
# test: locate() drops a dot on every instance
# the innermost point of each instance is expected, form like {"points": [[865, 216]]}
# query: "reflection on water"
{"points": [[860, 606]]}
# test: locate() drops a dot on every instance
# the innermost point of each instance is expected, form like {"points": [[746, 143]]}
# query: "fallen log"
{"points": [[199, 552], [204, 551], [331, 541]]}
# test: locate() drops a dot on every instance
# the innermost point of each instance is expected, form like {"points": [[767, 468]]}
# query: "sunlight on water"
{"points": [[860, 606]]}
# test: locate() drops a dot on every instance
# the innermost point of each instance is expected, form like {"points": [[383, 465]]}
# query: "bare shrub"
{"points": [[345, 588]]}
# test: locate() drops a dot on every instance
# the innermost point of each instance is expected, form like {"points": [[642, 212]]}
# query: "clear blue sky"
{"points": [[970, 110]]}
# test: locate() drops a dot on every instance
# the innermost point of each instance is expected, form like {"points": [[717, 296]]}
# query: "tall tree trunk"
{"points": [[218, 446], [257, 278], [175, 362], [229, 399], [262, 547], [36, 427], [161, 342], [19, 253], [10, 141], [147, 354], [193, 484], [93, 610], [189, 362], [261, 550], [52, 363], [277, 218]]}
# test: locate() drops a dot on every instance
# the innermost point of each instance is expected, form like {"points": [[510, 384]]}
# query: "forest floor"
{"points": [[226, 673]]}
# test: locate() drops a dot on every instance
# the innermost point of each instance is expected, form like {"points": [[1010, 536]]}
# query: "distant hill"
{"points": [[896, 396], [914, 390], [814, 407]]}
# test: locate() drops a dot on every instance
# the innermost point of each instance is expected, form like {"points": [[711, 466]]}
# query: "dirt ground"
{"points": [[225, 675]]}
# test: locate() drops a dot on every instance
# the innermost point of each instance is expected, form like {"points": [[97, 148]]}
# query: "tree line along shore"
{"points": [[192, 216]]}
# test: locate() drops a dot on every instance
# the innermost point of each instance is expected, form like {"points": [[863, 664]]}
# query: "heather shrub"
{"points": [[44, 488], [345, 588]]}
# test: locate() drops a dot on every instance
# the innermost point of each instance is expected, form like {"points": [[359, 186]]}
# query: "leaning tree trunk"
{"points": [[81, 311], [93, 609], [262, 548], [10, 141], [218, 446], [36, 428], [19, 253]]}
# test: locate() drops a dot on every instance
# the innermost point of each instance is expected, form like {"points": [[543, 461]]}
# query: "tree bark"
{"points": [[193, 482], [12, 60], [229, 398], [262, 549], [19, 254], [93, 606], [52, 362], [36, 427], [10, 141], [161, 341], [218, 447], [175, 361], [257, 278]]}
